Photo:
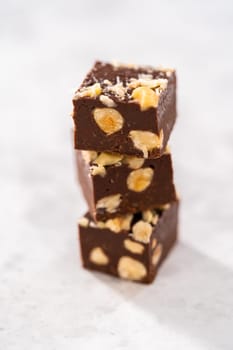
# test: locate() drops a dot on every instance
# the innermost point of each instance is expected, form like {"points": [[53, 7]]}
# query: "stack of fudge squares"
{"points": [[123, 117]]}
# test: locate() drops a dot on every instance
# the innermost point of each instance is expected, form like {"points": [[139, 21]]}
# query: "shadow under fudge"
{"points": [[192, 295], [89, 136], [160, 191]]}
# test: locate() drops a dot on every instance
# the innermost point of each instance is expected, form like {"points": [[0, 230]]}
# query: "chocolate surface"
{"points": [[112, 245], [161, 189], [160, 119]]}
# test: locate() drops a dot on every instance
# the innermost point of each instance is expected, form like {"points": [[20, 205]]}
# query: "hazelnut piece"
{"points": [[157, 254], [138, 180], [131, 269], [110, 203], [133, 162], [109, 120], [142, 231], [106, 158], [98, 257], [146, 141], [133, 247], [146, 97]]}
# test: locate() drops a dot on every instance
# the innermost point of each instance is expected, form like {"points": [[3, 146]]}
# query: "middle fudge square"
{"points": [[125, 109], [114, 184]]}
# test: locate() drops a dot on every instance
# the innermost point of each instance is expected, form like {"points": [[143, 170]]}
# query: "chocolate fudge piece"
{"points": [[114, 184], [125, 109], [142, 242]]}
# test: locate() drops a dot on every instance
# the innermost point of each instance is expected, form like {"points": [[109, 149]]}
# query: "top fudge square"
{"points": [[126, 109]]}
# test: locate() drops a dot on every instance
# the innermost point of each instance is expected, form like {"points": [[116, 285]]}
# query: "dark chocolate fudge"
{"points": [[114, 184], [125, 109], [131, 247]]}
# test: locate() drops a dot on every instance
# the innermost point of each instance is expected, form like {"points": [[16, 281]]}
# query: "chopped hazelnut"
{"points": [[131, 269], [83, 222], [133, 247], [110, 203], [146, 97], [109, 120], [147, 216], [117, 224], [133, 162], [146, 80], [89, 91], [150, 216], [98, 257], [157, 254], [106, 158], [141, 231], [97, 170], [146, 141], [138, 180], [107, 101]]}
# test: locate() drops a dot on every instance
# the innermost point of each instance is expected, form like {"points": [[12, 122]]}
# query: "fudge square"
{"points": [[131, 247], [125, 109], [114, 184]]}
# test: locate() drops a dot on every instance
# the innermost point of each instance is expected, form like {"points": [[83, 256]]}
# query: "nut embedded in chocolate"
{"points": [[97, 256], [139, 183], [140, 179], [110, 203], [146, 97], [142, 231], [131, 269], [121, 255], [133, 247], [157, 254], [109, 120]]}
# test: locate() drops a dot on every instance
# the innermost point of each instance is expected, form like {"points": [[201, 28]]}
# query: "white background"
{"points": [[46, 300]]}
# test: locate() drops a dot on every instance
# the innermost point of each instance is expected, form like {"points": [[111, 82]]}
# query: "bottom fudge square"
{"points": [[132, 246]]}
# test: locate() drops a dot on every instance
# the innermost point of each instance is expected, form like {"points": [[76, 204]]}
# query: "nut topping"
{"points": [[145, 97], [146, 80], [89, 91]]}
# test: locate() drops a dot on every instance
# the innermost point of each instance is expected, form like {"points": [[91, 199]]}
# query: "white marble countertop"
{"points": [[47, 301]]}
